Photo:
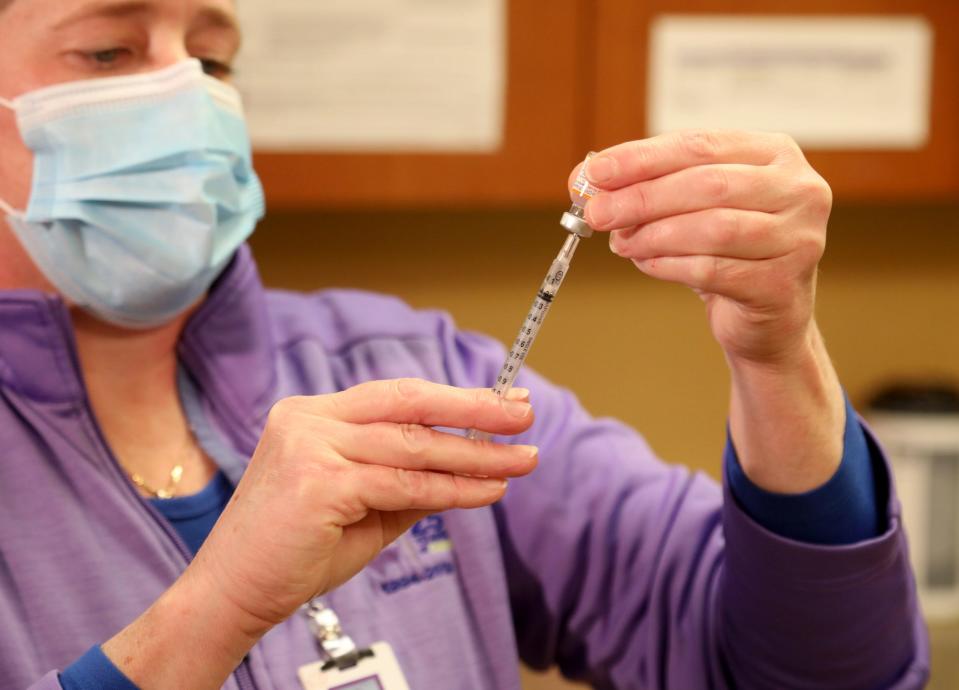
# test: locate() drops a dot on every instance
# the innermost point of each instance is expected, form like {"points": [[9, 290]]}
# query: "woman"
{"points": [[146, 373]]}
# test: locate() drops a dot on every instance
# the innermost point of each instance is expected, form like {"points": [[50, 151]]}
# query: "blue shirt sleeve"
{"points": [[94, 671], [844, 510]]}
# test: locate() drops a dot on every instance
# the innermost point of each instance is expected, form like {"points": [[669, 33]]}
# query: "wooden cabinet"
{"points": [[547, 99], [577, 81], [929, 173]]}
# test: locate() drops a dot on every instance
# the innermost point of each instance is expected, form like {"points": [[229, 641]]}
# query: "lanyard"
{"points": [[337, 646], [345, 666]]}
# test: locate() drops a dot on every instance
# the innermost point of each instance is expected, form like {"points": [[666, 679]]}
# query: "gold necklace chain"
{"points": [[169, 491], [176, 474]]}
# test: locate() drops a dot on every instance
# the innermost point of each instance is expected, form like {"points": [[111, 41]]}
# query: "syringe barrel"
{"points": [[575, 223], [524, 340], [531, 325]]}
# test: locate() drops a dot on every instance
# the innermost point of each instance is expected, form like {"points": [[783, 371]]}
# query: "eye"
{"points": [[108, 58], [215, 68], [105, 57]]}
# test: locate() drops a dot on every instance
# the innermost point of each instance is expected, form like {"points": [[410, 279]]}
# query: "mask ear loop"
{"points": [[4, 206]]}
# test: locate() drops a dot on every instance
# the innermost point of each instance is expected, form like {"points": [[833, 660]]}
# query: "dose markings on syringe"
{"points": [[524, 341]]}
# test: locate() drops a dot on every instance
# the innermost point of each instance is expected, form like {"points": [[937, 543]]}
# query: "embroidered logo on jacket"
{"points": [[431, 536]]}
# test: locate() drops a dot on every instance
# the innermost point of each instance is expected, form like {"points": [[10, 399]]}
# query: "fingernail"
{"points": [[613, 241], [521, 394], [515, 408], [645, 264], [495, 484], [529, 451], [601, 210], [601, 169]]}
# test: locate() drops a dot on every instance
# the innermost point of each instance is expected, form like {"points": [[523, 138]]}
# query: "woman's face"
{"points": [[50, 41]]}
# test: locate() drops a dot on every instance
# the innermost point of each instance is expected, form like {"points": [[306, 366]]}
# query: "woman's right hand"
{"points": [[334, 479]]}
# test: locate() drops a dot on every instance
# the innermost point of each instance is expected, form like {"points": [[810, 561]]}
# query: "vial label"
{"points": [[581, 185]]}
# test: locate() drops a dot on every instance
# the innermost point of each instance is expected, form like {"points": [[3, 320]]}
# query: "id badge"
{"points": [[379, 671]]}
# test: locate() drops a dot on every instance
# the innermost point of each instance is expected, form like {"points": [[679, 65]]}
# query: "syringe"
{"points": [[574, 222]]}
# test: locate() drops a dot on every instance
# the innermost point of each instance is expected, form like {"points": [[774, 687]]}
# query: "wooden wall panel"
{"points": [[576, 80], [548, 63], [620, 78]]}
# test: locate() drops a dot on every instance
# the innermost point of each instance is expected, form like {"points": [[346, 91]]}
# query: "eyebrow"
{"points": [[221, 19], [109, 8], [211, 16]]}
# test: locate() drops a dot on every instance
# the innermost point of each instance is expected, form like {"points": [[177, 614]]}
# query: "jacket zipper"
{"points": [[241, 674]]}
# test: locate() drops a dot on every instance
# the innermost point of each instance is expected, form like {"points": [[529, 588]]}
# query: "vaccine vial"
{"points": [[574, 220]]}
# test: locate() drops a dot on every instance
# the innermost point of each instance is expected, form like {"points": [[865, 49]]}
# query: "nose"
{"points": [[167, 46]]}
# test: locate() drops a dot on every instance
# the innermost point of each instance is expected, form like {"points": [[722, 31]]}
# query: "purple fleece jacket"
{"points": [[627, 572]]}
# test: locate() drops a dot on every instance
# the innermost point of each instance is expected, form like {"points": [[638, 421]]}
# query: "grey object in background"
{"points": [[919, 427]]}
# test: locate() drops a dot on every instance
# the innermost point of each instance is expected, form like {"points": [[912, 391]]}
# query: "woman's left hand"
{"points": [[741, 219], [738, 217]]}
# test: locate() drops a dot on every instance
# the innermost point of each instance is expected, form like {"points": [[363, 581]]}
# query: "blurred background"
{"points": [[422, 149]]}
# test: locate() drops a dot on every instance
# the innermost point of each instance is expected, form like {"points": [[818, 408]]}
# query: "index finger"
{"points": [[647, 159], [415, 401]]}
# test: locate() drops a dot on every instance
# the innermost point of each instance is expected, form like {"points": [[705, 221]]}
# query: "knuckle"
{"points": [[289, 433], [706, 271], [480, 403], [412, 483], [409, 391], [283, 411], [714, 268], [762, 226], [465, 492], [415, 440], [811, 246], [717, 184], [642, 205], [805, 186], [641, 152], [821, 200], [480, 397], [406, 387], [785, 146], [728, 226], [329, 471], [335, 404], [701, 144], [814, 193], [698, 272], [786, 142]]}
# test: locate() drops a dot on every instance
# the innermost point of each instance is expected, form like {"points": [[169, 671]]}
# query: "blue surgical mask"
{"points": [[143, 189]]}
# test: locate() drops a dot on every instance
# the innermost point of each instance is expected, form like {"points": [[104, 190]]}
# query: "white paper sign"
{"points": [[830, 82], [374, 75]]}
